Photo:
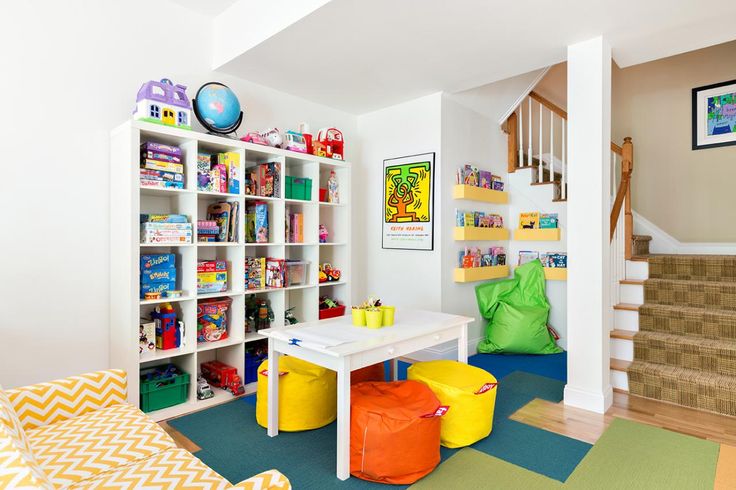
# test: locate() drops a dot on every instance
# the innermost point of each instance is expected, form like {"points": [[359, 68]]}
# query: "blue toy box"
{"points": [[158, 261], [157, 287], [149, 276]]}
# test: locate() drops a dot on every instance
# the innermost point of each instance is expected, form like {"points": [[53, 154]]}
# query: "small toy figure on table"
{"points": [[333, 195]]}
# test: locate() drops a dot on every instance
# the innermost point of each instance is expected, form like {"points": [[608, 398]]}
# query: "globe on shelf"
{"points": [[217, 108]]}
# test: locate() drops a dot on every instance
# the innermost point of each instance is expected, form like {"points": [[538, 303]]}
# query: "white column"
{"points": [[588, 214]]}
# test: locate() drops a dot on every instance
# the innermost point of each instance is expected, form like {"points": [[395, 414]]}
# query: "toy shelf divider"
{"points": [[538, 234], [466, 233], [555, 273], [473, 274], [128, 199], [473, 193]]}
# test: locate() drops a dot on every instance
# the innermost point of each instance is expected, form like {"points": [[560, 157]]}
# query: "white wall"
{"points": [[71, 71], [405, 278]]}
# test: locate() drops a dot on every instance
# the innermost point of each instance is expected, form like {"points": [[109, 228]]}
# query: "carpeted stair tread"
{"points": [[718, 268], [682, 386], [708, 355], [703, 294], [688, 320]]}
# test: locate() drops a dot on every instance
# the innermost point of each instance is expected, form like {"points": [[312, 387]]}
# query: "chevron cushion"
{"points": [[171, 469], [82, 447], [271, 479]]}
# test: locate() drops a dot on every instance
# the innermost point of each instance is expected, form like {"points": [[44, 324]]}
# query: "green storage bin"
{"points": [[165, 387], [299, 188]]}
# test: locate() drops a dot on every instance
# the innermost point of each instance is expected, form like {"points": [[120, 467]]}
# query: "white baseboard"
{"points": [[587, 400], [664, 243]]}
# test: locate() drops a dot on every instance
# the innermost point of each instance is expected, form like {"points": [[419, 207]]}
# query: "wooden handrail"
{"points": [[623, 195], [616, 149], [548, 104]]}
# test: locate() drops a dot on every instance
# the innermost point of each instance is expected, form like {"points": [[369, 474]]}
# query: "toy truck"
{"points": [[218, 373]]}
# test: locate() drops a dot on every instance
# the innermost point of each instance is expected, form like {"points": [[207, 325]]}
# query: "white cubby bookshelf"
{"points": [[128, 200]]}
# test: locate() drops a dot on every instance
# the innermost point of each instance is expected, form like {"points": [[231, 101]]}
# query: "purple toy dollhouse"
{"points": [[164, 103]]}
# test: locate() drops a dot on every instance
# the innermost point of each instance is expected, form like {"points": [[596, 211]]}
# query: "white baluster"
{"points": [[551, 146], [539, 153], [529, 149], [564, 160], [520, 133]]}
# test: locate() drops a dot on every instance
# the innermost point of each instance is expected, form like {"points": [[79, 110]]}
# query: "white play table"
{"points": [[336, 344]]}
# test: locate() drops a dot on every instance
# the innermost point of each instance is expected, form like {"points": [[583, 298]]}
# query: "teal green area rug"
{"points": [[236, 447], [628, 456]]}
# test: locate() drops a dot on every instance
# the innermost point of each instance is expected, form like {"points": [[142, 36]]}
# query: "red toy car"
{"points": [[218, 373]]}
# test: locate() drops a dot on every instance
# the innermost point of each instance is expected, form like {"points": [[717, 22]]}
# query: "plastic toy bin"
{"points": [[252, 361], [298, 188], [163, 386], [296, 272], [332, 312]]}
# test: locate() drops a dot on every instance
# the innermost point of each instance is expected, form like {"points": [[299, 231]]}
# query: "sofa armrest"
{"points": [[46, 403], [268, 480]]}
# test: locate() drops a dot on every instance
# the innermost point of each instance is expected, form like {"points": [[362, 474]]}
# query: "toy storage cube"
{"points": [[394, 433], [470, 392], [307, 395], [298, 188], [296, 272]]}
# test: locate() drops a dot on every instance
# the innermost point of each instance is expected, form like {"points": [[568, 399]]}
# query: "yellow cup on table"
{"points": [[359, 317], [374, 318], [388, 315]]}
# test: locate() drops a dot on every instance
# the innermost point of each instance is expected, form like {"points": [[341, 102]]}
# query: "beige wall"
{"points": [[689, 194]]}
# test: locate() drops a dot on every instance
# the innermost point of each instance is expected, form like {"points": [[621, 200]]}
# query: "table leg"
{"points": [[462, 345], [343, 420], [394, 369], [273, 389]]}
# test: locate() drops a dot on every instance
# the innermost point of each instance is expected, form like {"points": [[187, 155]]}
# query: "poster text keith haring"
{"points": [[408, 204]]}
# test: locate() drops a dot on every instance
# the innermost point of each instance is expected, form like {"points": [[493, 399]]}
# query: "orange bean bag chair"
{"points": [[375, 372], [394, 431]]}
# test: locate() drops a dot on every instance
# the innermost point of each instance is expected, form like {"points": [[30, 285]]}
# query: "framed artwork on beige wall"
{"points": [[714, 115]]}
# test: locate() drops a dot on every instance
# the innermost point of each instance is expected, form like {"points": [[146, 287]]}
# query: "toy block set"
{"points": [[213, 319], [294, 227], [255, 273], [478, 219], [470, 175], [474, 257], [158, 276], [161, 166], [222, 223], [220, 172], [256, 222], [537, 220], [165, 229], [211, 276], [263, 180]]}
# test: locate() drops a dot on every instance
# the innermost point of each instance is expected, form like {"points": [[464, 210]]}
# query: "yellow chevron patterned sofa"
{"points": [[79, 432]]}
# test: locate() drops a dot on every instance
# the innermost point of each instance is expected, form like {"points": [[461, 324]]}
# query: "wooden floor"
{"points": [[180, 439]]}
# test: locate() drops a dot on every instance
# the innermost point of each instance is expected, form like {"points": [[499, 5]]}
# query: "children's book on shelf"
{"points": [[255, 272], [211, 276], [472, 176], [294, 227], [226, 218], [478, 219], [526, 256], [554, 259], [161, 166], [474, 257], [220, 172], [171, 229], [548, 220], [256, 222], [529, 220], [213, 319], [146, 336]]}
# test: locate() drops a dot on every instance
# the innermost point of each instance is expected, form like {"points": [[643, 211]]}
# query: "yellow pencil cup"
{"points": [[359, 317], [388, 315], [374, 318]]}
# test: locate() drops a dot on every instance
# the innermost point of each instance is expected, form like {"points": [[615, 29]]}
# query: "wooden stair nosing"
{"points": [[632, 282], [626, 307], [559, 200], [620, 390], [556, 182], [639, 258], [618, 333], [619, 364]]}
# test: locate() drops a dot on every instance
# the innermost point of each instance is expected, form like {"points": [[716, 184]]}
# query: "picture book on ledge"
{"points": [[470, 175]]}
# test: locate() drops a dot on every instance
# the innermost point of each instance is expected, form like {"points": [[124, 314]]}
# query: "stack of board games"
{"points": [[207, 230], [474, 257], [211, 276], [263, 180], [226, 219], [537, 220], [470, 175], [165, 229], [158, 273], [255, 273], [219, 172], [478, 219], [161, 166]]}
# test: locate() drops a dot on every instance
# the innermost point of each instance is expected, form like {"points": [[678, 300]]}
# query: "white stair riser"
{"points": [[637, 270], [631, 293], [620, 380], [622, 349], [626, 320]]}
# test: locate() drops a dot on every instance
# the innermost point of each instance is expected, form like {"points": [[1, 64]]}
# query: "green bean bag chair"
{"points": [[517, 311]]}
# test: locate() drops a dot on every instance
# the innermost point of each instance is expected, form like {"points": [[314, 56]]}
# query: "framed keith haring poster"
{"points": [[408, 202], [714, 115]]}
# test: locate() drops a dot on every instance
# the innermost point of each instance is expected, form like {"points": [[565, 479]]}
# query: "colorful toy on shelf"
{"points": [[203, 389], [289, 316], [333, 141], [212, 319], [333, 195], [307, 134], [273, 137], [323, 233], [163, 103], [328, 274], [217, 108], [221, 375], [295, 142], [319, 149], [258, 314], [330, 308], [255, 137], [169, 331]]}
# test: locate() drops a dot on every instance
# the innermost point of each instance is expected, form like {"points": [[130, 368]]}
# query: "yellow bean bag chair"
{"points": [[470, 393], [307, 395]]}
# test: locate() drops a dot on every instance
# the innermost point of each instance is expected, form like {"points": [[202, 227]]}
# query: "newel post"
{"points": [[627, 163], [513, 142]]}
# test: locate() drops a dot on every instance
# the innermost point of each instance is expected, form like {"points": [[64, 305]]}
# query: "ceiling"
{"points": [[359, 56], [206, 7]]}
